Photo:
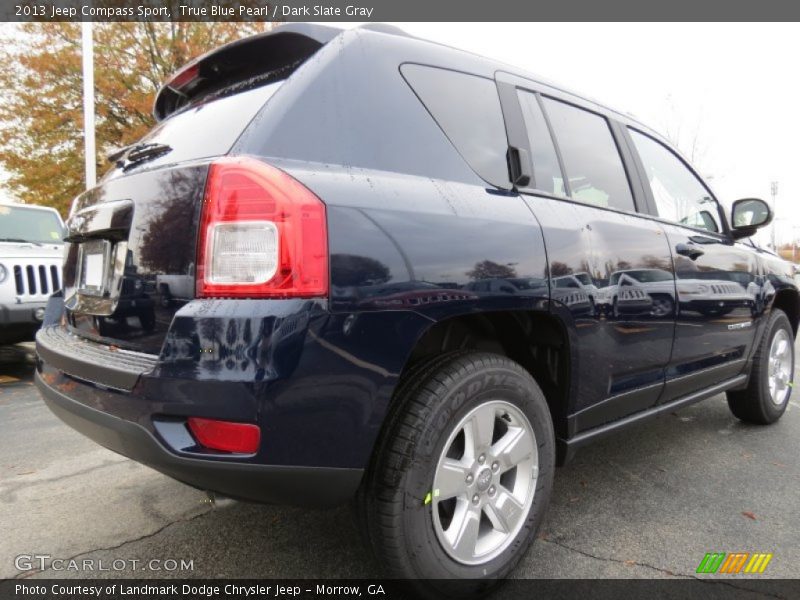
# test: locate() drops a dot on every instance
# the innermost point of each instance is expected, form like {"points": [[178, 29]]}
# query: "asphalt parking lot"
{"points": [[648, 503]]}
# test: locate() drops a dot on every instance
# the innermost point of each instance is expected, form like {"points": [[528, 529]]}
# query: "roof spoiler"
{"points": [[274, 54]]}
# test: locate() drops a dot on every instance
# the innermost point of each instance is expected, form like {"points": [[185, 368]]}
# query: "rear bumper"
{"points": [[318, 385], [70, 354], [301, 486]]}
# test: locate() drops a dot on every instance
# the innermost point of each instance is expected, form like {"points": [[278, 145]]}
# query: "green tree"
{"points": [[41, 112]]}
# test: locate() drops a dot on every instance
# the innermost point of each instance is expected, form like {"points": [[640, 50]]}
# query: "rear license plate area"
{"points": [[94, 257]]}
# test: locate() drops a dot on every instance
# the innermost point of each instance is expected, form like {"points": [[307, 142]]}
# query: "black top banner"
{"points": [[398, 10]]}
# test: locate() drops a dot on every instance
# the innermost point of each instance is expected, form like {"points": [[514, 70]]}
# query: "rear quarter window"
{"points": [[467, 109]]}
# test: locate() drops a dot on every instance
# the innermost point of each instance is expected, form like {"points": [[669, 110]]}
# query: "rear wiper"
{"points": [[137, 153], [19, 241]]}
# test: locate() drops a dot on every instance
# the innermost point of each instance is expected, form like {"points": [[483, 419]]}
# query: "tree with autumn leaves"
{"points": [[41, 102]]}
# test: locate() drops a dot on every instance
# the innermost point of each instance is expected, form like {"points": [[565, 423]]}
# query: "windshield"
{"points": [[22, 224], [566, 282]]}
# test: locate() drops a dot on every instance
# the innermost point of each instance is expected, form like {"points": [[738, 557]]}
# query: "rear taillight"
{"points": [[262, 234], [225, 436]]}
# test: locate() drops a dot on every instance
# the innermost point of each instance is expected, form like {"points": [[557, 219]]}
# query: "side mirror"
{"points": [[748, 215]]}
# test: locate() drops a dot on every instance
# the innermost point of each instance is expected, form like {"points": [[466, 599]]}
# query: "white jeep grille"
{"points": [[725, 288], [37, 279]]}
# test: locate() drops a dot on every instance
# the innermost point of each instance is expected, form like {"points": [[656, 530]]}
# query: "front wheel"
{"points": [[766, 396], [462, 476], [663, 306]]}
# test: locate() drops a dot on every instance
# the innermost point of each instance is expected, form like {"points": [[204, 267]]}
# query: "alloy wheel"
{"points": [[780, 367], [484, 482]]}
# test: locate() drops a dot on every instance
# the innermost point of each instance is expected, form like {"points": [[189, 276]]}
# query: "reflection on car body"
{"points": [[639, 291], [134, 302], [523, 286], [588, 284], [715, 297], [408, 295], [571, 292], [174, 289]]}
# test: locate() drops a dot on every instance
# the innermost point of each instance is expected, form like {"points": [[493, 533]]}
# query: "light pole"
{"points": [[87, 49], [774, 191]]}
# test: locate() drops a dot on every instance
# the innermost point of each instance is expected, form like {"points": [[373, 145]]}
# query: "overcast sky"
{"points": [[733, 87]]}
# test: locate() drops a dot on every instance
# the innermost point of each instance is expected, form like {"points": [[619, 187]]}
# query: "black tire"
{"points": [[392, 502], [667, 306], [414, 379], [754, 403]]}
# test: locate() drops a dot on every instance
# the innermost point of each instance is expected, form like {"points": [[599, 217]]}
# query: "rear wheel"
{"points": [[462, 476], [766, 396], [476, 480]]}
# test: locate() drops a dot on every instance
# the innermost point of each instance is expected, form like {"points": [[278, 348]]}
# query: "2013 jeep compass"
{"points": [[358, 265]]}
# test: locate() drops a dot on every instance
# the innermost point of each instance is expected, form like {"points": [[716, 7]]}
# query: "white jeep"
{"points": [[31, 249]]}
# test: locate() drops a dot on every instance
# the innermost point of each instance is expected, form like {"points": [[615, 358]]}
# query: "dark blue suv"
{"points": [[361, 266]]}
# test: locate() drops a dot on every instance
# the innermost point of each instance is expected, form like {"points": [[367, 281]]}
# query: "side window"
{"points": [[467, 109], [591, 158], [679, 195], [547, 174]]}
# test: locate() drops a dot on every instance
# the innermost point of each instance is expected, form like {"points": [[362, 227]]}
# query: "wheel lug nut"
{"points": [[495, 466], [470, 478], [476, 499], [491, 490], [482, 459]]}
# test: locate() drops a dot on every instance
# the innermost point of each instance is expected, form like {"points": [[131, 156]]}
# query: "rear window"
{"points": [[467, 109], [20, 224], [209, 128]]}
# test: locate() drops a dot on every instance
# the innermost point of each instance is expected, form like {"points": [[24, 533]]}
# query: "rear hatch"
{"points": [[132, 240]]}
